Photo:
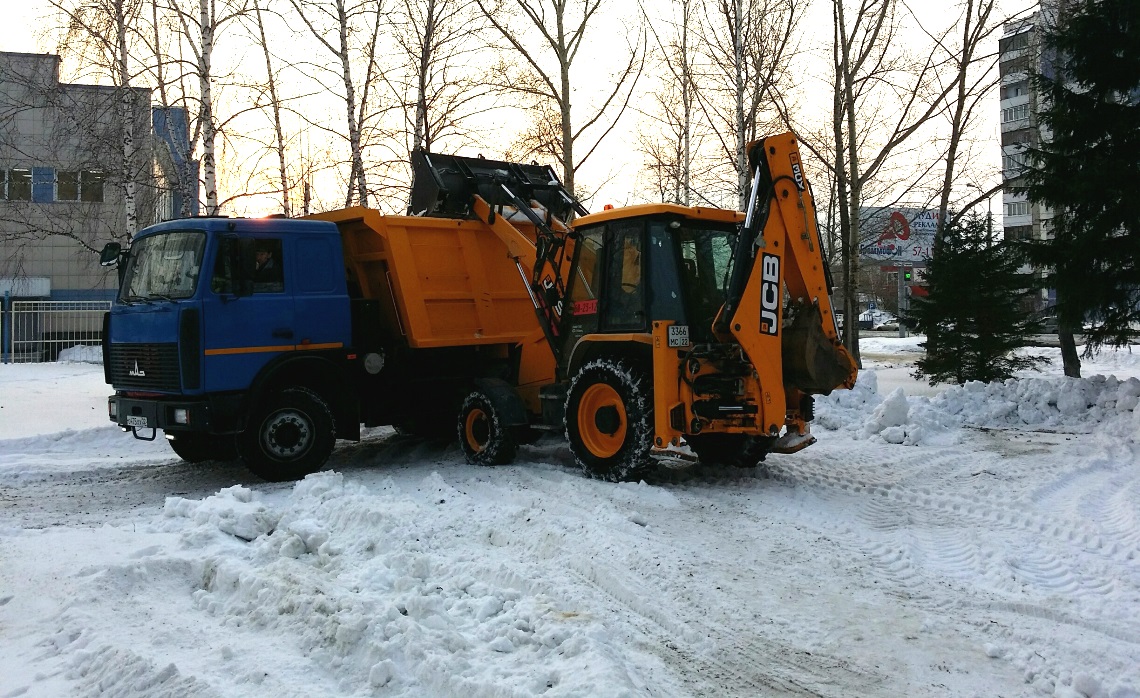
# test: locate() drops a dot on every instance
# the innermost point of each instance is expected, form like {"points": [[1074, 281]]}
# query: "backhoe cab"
{"points": [[665, 323]]}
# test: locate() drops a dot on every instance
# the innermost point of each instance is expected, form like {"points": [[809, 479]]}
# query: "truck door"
{"points": [[248, 313], [324, 320]]}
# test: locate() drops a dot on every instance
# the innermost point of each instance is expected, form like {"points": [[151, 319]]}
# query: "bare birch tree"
{"points": [[440, 86], [669, 146], [200, 32], [882, 97], [275, 108], [336, 25], [97, 33], [547, 44], [746, 44]]}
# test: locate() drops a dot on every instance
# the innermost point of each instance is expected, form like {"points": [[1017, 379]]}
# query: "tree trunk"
{"points": [[275, 104], [126, 121], [209, 131], [357, 181]]}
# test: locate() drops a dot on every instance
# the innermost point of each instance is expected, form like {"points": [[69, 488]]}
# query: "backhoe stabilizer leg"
{"points": [[793, 440]]}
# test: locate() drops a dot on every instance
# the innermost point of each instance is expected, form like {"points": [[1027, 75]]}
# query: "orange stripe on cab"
{"points": [[283, 347]]}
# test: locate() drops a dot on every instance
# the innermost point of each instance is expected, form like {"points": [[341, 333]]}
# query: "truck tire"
{"points": [[609, 421], [739, 450], [290, 436], [195, 448], [482, 436]]}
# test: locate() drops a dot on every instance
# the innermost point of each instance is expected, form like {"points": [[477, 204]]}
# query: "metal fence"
{"points": [[36, 331]]}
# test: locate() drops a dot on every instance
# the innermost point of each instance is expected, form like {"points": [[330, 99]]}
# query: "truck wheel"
{"points": [[740, 450], [290, 436], [484, 440], [195, 448], [609, 421]]}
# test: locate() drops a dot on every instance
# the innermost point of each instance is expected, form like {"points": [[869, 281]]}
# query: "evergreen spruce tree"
{"points": [[1088, 170], [973, 316]]}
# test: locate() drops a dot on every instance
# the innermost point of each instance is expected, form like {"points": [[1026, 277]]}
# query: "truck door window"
{"points": [[248, 265]]}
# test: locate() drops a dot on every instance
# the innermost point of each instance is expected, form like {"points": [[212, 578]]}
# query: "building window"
{"points": [[1013, 43], [1017, 113], [19, 184], [91, 185], [1017, 208], [67, 186], [79, 185], [1018, 137], [1019, 232], [1013, 162], [1017, 89]]}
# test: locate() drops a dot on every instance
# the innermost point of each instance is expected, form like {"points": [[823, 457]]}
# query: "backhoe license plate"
{"points": [[136, 421], [679, 335]]}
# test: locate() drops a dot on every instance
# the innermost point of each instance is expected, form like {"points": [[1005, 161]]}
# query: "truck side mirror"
{"points": [[110, 255]]}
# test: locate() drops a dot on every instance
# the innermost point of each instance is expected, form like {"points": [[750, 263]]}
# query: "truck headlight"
{"points": [[181, 415], [113, 408]]}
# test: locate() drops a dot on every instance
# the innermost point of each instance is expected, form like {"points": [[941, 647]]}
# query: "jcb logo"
{"points": [[770, 295], [797, 172]]}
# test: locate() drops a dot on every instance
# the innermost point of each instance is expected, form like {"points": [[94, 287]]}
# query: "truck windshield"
{"points": [[163, 266]]}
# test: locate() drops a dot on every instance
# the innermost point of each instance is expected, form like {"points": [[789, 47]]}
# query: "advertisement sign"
{"points": [[897, 235]]}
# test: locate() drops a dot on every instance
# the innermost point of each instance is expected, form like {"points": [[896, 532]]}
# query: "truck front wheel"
{"points": [[485, 440], [195, 448], [290, 436], [609, 421]]}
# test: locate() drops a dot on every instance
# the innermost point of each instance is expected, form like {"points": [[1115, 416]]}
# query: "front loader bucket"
{"points": [[444, 186]]}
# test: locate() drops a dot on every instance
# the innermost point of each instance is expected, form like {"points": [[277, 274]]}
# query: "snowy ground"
{"points": [[982, 540]]}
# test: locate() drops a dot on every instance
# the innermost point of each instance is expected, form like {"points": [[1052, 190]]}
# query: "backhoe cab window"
{"points": [[247, 265], [625, 294], [163, 267], [705, 258]]}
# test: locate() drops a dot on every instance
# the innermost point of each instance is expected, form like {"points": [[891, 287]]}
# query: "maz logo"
{"points": [[136, 371], [770, 295]]}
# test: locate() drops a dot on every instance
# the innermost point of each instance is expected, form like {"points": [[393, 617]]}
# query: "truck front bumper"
{"points": [[173, 414]]}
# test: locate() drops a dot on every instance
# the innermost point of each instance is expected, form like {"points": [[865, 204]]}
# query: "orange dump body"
{"points": [[440, 282]]}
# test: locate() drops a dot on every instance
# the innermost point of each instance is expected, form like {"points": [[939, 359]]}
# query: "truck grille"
{"points": [[145, 367]]}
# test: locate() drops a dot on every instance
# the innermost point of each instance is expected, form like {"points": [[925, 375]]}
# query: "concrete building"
{"points": [[1021, 55], [62, 175]]}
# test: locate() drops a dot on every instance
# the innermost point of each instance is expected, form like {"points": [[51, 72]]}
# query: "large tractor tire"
{"points": [[609, 421], [739, 450], [483, 437], [195, 448], [290, 436]]}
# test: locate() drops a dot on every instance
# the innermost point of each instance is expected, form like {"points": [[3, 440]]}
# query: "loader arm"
{"points": [[796, 350], [545, 257]]}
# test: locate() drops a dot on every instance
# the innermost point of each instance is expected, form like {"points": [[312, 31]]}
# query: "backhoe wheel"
{"points": [[195, 448], [740, 450], [609, 421], [485, 441], [289, 436]]}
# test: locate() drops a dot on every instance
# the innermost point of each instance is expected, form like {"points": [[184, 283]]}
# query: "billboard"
{"points": [[895, 236]]}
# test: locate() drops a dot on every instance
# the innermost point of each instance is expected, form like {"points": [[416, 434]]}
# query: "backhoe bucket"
{"points": [[444, 186]]}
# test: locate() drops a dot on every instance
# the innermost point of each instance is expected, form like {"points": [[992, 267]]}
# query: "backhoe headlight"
{"points": [[181, 415]]}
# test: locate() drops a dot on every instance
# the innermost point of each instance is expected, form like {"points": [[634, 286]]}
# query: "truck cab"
{"points": [[233, 336]]}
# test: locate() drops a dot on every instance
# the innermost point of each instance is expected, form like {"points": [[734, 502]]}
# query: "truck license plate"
{"points": [[136, 421], [679, 336]]}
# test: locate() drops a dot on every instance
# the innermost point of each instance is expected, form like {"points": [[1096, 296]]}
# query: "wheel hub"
{"points": [[602, 420], [478, 430], [287, 434]]}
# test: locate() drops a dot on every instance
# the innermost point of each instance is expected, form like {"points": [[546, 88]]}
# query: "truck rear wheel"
{"points": [[484, 439], [290, 436], [740, 450], [609, 421], [195, 448]]}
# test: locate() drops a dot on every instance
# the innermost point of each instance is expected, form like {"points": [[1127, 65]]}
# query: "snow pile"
{"points": [[363, 582], [1021, 403], [82, 353]]}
